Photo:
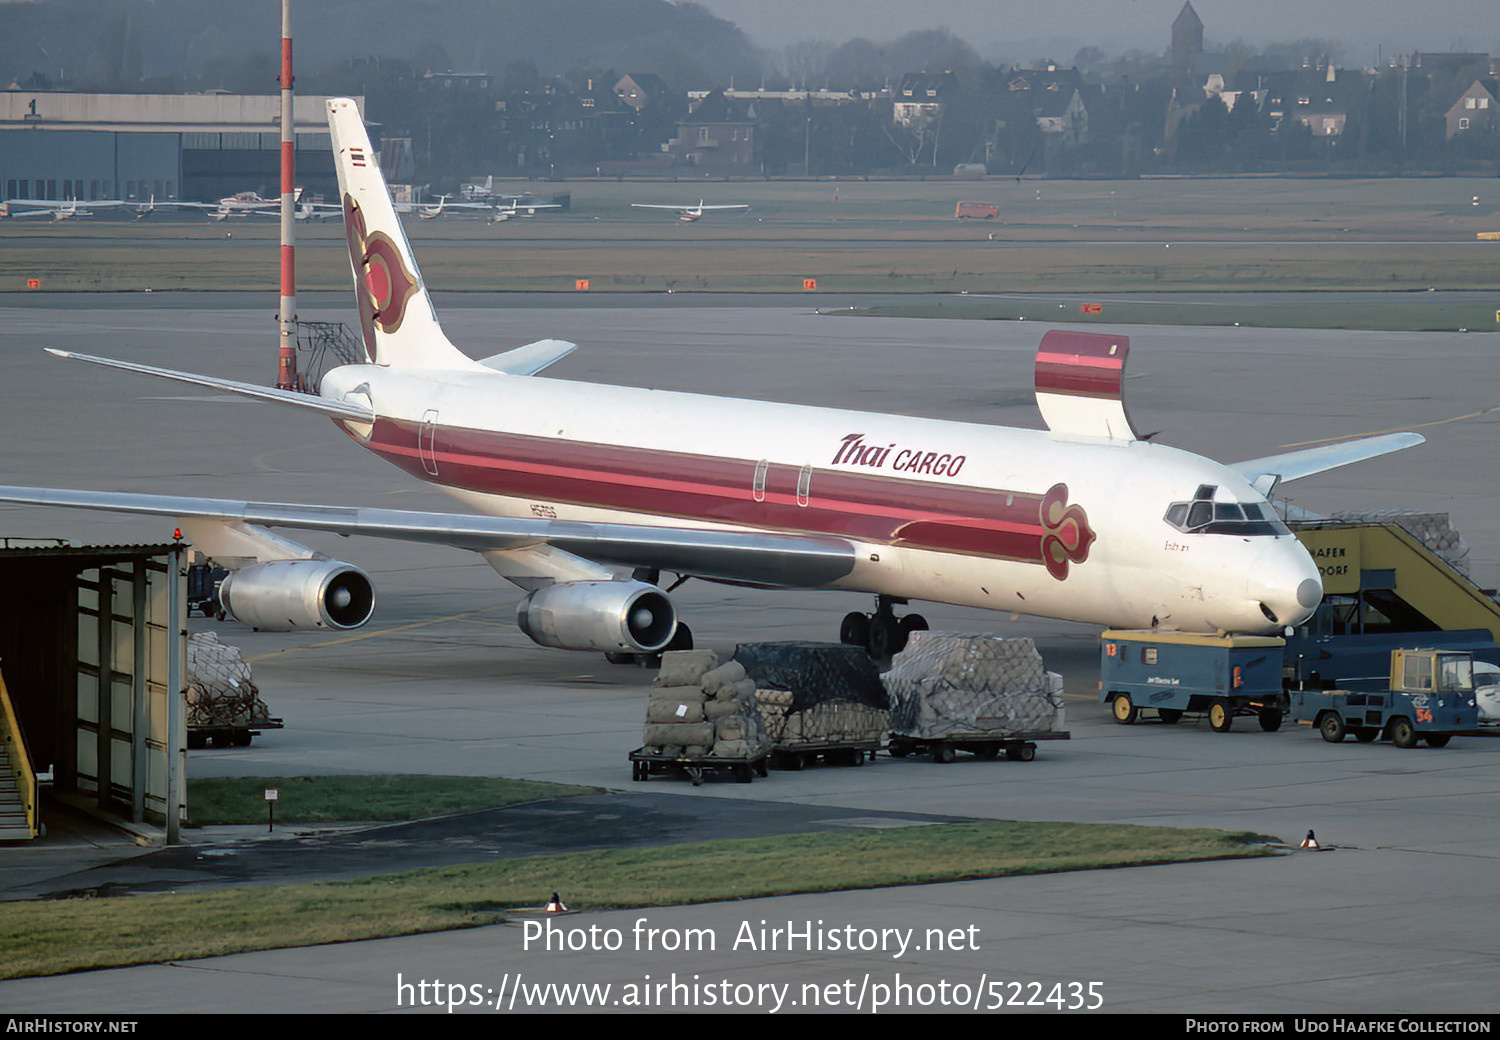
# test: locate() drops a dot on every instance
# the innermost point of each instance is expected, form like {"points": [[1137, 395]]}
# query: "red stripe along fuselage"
{"points": [[710, 489]]}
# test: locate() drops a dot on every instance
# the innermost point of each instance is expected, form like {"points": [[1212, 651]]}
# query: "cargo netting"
{"points": [[816, 693]]}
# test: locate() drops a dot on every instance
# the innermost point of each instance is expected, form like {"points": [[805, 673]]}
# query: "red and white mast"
{"points": [[286, 373]]}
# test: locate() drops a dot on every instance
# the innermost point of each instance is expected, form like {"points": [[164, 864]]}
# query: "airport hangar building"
{"points": [[201, 147]]}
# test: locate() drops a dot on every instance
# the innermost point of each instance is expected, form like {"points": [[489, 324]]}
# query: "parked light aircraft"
{"points": [[251, 204], [16, 209], [589, 492], [519, 205], [432, 212], [496, 212], [688, 214], [240, 204]]}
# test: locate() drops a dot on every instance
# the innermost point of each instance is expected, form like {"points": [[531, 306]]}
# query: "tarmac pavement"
{"points": [[1394, 920]]}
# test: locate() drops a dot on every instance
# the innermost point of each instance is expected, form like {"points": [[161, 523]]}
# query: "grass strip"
{"points": [[328, 799], [54, 937], [1420, 314]]}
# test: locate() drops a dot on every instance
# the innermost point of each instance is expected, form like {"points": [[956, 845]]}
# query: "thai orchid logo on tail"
{"points": [[1066, 535], [386, 285]]}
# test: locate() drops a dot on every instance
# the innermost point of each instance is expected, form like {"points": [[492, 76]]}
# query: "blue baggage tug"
{"points": [[1430, 698], [1172, 673]]}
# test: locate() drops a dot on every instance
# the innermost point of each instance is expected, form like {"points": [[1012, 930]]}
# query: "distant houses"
{"points": [[1185, 110], [1476, 109]]}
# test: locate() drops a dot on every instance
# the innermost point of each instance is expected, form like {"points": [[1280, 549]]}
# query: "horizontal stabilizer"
{"points": [[530, 359], [765, 558], [337, 409], [1080, 385], [1267, 472]]}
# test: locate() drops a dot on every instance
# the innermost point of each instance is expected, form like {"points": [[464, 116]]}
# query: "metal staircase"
{"points": [[322, 345], [18, 811]]}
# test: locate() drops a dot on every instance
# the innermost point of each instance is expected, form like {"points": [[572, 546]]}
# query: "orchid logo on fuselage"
{"points": [[1066, 534], [853, 451]]}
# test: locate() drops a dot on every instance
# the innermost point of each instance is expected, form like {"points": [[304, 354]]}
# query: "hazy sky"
{"points": [[1014, 29]]}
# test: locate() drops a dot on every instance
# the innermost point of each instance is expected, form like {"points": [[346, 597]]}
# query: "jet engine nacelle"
{"points": [[286, 594], [612, 616]]}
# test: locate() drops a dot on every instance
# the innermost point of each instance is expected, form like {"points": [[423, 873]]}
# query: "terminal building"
{"points": [[198, 147]]}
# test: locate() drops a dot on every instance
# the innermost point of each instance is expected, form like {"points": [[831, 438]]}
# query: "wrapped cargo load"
{"points": [[223, 702], [816, 694], [814, 673], [945, 686], [685, 667], [714, 718]]}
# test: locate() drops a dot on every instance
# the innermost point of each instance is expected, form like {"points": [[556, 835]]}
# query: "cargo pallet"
{"points": [[644, 765], [231, 735], [1018, 747]]}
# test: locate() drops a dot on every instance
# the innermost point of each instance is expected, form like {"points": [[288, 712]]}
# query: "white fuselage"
{"points": [[944, 511]]}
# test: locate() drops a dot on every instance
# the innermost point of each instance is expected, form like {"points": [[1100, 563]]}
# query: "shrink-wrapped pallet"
{"points": [[944, 685], [220, 691]]}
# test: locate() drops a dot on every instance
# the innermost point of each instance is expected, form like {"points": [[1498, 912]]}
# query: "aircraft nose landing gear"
{"points": [[882, 634]]}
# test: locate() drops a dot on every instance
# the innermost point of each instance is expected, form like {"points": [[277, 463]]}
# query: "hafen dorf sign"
{"points": [[1336, 552]]}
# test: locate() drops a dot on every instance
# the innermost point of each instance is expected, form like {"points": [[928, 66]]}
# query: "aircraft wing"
{"points": [[754, 557], [1266, 472], [197, 207]]}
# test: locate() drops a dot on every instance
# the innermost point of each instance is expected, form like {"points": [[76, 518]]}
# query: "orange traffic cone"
{"points": [[554, 906], [1309, 842]]}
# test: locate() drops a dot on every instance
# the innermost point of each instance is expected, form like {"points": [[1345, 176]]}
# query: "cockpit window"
{"points": [[1204, 516]]}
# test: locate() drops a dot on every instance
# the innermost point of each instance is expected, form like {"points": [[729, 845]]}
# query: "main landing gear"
{"points": [[882, 634]]}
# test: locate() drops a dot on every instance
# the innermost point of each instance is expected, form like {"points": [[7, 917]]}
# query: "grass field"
{"points": [[48, 938], [1159, 235], [215, 801]]}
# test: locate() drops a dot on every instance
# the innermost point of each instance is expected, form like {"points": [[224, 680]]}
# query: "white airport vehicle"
{"points": [[587, 493], [688, 214]]}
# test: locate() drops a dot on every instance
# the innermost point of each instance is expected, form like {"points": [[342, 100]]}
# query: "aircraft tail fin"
{"points": [[397, 320], [1080, 384]]}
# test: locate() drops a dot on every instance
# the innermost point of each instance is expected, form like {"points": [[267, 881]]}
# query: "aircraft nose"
{"points": [[1286, 584]]}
